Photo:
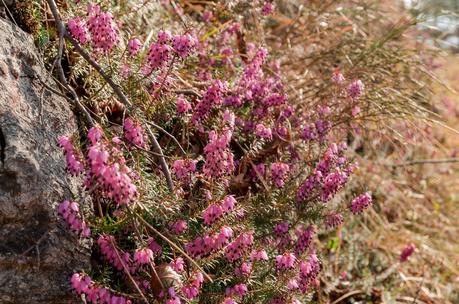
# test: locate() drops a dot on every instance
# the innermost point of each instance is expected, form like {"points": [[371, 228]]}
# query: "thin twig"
{"points": [[162, 160], [347, 295], [127, 272], [168, 134], [425, 161]]}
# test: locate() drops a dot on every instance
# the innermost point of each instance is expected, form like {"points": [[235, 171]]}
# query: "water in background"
{"points": [[440, 21]]}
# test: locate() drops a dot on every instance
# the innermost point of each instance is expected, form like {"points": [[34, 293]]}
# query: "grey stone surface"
{"points": [[37, 252]]}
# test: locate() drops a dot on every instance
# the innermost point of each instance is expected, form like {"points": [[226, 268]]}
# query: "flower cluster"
{"points": [[83, 284], [71, 214], [360, 203], [212, 98], [253, 130], [279, 173], [120, 260], [133, 133], [77, 28], [203, 246], [191, 290], [74, 164], [236, 249], [183, 169], [104, 32], [215, 211], [219, 159]]}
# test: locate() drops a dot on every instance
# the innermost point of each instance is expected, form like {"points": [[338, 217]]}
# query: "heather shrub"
{"points": [[216, 163]]}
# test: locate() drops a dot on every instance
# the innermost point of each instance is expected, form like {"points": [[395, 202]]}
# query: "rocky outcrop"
{"points": [[37, 253]]}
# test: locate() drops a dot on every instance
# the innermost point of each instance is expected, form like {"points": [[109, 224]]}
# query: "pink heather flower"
{"points": [[164, 37], [304, 239], [83, 284], [267, 8], [191, 291], [229, 118], [212, 98], [228, 203], [113, 180], [178, 264], [355, 89], [332, 183], [184, 44], [95, 134], [104, 33], [143, 256], [71, 213], [407, 252], [360, 203], [238, 247], [274, 100], [182, 105], [233, 100], [263, 132], [203, 246], [237, 290], [292, 284], [133, 133], [338, 77], [309, 271], [179, 227], [77, 28], [72, 157], [243, 270], [333, 220], [207, 16], [259, 255], [285, 261], [219, 159], [134, 46], [229, 301], [184, 169], [279, 172], [355, 111], [212, 214], [125, 70], [116, 257], [158, 53], [309, 132], [154, 246]]}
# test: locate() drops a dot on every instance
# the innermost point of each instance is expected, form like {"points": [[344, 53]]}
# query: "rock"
{"points": [[38, 253]]}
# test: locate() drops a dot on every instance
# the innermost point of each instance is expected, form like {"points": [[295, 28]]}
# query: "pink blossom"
{"points": [[134, 46], [143, 256], [77, 28], [133, 133], [263, 132], [360, 203], [182, 105], [285, 261], [267, 8], [355, 89], [259, 255], [407, 252], [179, 227], [184, 44], [279, 172], [104, 33], [70, 212], [178, 264]]}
